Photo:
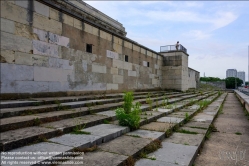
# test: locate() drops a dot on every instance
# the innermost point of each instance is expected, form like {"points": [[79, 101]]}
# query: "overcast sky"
{"points": [[215, 33]]}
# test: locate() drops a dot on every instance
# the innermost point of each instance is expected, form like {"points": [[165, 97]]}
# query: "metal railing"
{"points": [[172, 48]]}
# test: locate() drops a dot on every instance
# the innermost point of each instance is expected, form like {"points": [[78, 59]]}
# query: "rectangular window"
{"points": [[126, 58], [148, 64], [89, 48]]}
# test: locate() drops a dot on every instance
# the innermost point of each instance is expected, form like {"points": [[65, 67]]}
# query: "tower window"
{"points": [[148, 64], [126, 58], [89, 48]]}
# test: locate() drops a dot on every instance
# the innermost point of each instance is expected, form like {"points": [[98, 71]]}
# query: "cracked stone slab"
{"points": [[147, 134], [77, 140], [125, 145], [199, 131], [107, 131], [43, 147], [163, 110], [157, 126], [194, 107], [185, 139], [170, 120], [175, 153]]}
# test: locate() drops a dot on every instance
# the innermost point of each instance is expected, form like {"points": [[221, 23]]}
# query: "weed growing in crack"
{"points": [[37, 122], [149, 101], [187, 118], [78, 129], [129, 114]]}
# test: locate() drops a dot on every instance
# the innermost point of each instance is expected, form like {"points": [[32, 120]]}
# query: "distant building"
{"points": [[241, 75], [231, 73]]}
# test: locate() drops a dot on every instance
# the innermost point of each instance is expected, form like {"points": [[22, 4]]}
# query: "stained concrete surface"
{"points": [[225, 147]]}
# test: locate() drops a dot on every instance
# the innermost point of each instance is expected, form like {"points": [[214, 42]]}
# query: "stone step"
{"points": [[36, 119], [10, 112], [184, 146], [117, 151], [12, 139], [52, 100]]}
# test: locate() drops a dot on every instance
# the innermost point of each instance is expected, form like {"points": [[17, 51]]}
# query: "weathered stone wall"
{"points": [[194, 78], [218, 84], [44, 50]]}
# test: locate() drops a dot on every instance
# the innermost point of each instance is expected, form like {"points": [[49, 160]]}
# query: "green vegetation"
{"points": [[230, 82], [210, 79], [186, 131], [238, 133], [187, 118], [106, 122], [149, 101], [129, 114], [78, 129], [203, 103], [37, 122]]}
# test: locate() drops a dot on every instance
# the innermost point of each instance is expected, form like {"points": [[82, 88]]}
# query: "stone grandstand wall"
{"points": [[43, 49]]}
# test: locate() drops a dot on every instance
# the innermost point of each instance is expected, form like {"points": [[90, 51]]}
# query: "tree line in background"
{"points": [[230, 81]]}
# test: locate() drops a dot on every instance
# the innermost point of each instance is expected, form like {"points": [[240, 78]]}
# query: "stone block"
{"points": [[7, 56], [189, 139], [149, 53], [145, 63], [148, 134], [98, 68], [52, 74], [84, 65], [46, 150], [117, 48], [117, 40], [54, 14], [127, 66], [108, 113], [58, 86], [170, 120], [154, 81], [143, 51], [41, 9], [42, 48], [95, 31], [47, 24], [7, 26], [117, 64], [31, 86], [23, 58], [16, 43], [136, 48], [180, 154], [40, 60], [8, 86], [13, 12], [121, 72], [88, 28], [77, 24], [67, 19], [149, 162], [59, 63], [24, 30], [59, 40], [107, 131], [41, 35], [132, 73], [117, 79], [111, 54], [77, 140], [112, 87], [12, 72], [114, 71], [128, 44]]}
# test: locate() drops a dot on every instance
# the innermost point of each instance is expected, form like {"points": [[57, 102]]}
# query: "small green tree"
{"points": [[129, 114]]}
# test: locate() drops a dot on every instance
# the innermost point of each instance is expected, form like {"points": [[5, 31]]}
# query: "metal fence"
{"points": [[172, 48]]}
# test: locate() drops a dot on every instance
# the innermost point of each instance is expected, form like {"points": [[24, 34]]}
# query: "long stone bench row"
{"points": [[20, 137], [244, 99], [97, 139]]}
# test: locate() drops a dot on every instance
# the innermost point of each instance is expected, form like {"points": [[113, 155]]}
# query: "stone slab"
{"points": [[202, 117], [16, 103], [148, 162], [147, 134], [185, 139], [100, 158], [163, 110], [199, 131], [178, 154], [197, 124], [45, 148], [194, 107], [125, 145], [107, 131], [108, 113], [43, 48], [170, 120], [157, 126], [77, 140]]}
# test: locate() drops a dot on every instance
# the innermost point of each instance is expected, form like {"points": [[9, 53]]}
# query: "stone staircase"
{"points": [[46, 125]]}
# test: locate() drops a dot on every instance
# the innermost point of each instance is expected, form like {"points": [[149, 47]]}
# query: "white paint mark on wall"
{"points": [[111, 54]]}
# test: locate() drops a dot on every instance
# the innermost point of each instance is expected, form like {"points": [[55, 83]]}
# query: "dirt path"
{"points": [[230, 144]]}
